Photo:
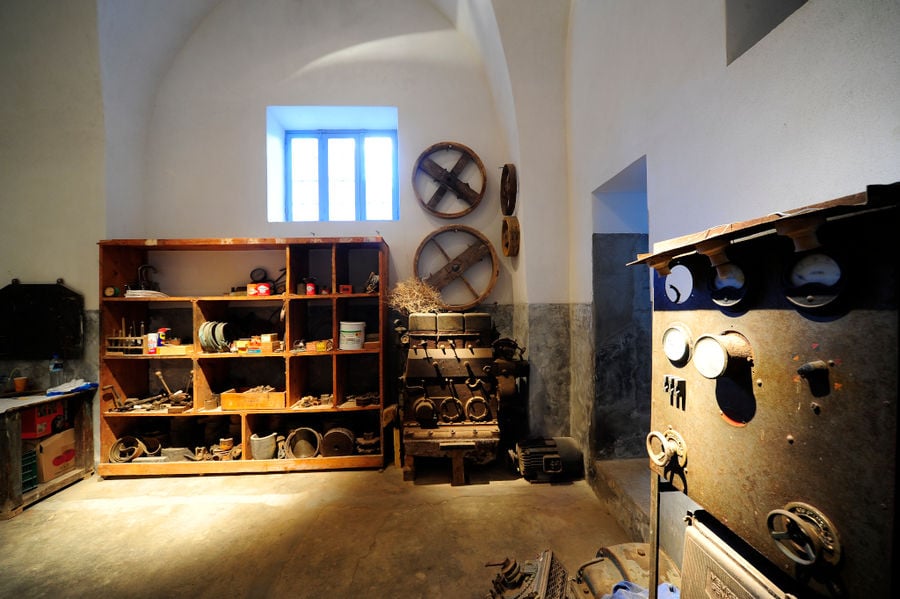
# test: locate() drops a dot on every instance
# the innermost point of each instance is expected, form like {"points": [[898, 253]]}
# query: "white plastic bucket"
{"points": [[352, 335]]}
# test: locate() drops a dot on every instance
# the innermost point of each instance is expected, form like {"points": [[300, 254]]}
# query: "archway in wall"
{"points": [[622, 316]]}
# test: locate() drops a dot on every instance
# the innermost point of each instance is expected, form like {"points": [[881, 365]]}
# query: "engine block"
{"points": [[460, 389]]}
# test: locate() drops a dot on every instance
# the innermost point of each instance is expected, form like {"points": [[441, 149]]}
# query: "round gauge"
{"points": [[728, 285], [676, 343], [814, 280], [713, 354], [815, 269], [679, 283]]}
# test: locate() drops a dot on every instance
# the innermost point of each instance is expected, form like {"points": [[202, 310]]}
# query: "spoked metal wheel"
{"points": [[459, 262], [449, 179]]}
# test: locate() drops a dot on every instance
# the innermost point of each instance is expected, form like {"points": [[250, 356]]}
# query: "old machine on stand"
{"points": [[460, 390]]}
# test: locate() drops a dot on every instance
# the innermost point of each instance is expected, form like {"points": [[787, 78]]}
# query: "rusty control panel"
{"points": [[774, 386], [460, 390]]}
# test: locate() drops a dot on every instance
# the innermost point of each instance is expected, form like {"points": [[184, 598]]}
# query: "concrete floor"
{"points": [[346, 534]]}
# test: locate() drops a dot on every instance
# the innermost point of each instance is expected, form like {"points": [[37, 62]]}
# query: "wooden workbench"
{"points": [[12, 499]]}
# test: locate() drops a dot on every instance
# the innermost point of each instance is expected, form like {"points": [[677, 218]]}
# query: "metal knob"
{"points": [[671, 446]]}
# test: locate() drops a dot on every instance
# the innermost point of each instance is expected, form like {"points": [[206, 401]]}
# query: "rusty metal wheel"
{"points": [[509, 189], [449, 179], [510, 235], [459, 262]]}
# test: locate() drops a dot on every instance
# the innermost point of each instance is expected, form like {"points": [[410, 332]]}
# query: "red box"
{"points": [[37, 421]]}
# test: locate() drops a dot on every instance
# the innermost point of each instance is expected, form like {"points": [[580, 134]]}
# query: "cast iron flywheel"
{"points": [[436, 183], [457, 251]]}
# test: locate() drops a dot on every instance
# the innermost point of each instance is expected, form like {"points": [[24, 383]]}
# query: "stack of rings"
{"points": [[127, 448]]}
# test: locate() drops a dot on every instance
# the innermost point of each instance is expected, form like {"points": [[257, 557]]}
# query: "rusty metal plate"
{"points": [[808, 418]]}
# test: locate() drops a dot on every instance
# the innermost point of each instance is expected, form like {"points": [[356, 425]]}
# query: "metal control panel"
{"points": [[774, 391]]}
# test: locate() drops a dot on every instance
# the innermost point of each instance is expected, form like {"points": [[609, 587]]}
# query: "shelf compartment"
{"points": [[167, 436], [215, 376], [311, 262], [123, 322], [358, 380], [135, 378], [354, 263], [366, 309], [310, 320], [311, 374]]}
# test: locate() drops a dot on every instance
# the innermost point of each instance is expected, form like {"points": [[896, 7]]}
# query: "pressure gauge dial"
{"points": [[813, 280], [728, 285], [676, 344], [679, 283]]}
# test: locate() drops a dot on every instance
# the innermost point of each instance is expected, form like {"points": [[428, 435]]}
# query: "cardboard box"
{"points": [[56, 455], [252, 400]]}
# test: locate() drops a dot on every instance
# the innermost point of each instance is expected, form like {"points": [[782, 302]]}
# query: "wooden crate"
{"points": [[253, 400]]}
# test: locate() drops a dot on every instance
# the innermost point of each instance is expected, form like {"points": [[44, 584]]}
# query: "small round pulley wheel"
{"points": [[459, 262], [510, 235], [509, 189], [449, 179]]}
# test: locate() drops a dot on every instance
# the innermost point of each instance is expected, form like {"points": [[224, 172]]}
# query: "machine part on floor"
{"points": [[460, 391], [772, 392], [548, 459], [303, 442], [433, 178], [461, 260], [542, 578], [625, 561]]}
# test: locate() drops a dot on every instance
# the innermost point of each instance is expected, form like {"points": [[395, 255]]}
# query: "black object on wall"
{"points": [[39, 320]]}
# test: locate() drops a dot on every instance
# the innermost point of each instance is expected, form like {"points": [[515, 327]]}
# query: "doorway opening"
{"points": [[622, 316]]}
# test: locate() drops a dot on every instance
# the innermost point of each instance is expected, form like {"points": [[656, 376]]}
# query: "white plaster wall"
{"points": [[51, 144], [808, 114], [534, 34], [138, 40], [205, 166]]}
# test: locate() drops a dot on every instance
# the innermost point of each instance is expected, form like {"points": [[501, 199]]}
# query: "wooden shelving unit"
{"points": [[197, 276]]}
